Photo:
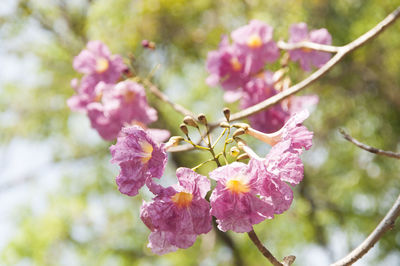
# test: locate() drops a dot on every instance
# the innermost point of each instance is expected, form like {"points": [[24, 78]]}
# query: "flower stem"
{"points": [[263, 249]]}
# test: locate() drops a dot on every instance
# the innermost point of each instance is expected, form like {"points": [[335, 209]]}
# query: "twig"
{"points": [[164, 98], [310, 45], [342, 51], [263, 249], [385, 225], [369, 148]]}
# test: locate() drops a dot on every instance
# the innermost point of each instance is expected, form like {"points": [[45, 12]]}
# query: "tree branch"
{"points": [[385, 225], [159, 94], [264, 250], [369, 148], [310, 45], [341, 52]]}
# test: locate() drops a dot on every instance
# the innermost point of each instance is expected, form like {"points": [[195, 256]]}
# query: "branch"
{"points": [[179, 108], [287, 260], [385, 225], [341, 52], [369, 148], [310, 45]]}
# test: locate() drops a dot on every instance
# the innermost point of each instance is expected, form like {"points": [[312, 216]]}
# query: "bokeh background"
{"points": [[59, 204]]}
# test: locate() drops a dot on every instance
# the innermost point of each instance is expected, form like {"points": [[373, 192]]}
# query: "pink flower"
{"points": [[293, 131], [139, 158], [124, 103], [235, 202], [226, 67], [257, 90], [97, 60], [255, 40], [178, 214], [85, 93], [271, 188], [308, 57]]}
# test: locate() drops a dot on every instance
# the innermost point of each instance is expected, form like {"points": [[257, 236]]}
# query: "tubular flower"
{"points": [[178, 214], [120, 104], [308, 57], [139, 158], [255, 41], [298, 135], [235, 202]]}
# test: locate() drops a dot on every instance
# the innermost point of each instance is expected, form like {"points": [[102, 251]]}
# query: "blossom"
{"points": [[226, 66], [272, 188], [234, 201], [139, 158], [293, 131], [306, 56], [123, 103], [97, 60], [255, 41], [85, 93], [178, 214], [257, 90]]}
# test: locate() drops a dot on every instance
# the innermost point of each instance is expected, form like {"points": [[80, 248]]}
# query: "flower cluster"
{"points": [[109, 104], [239, 69], [244, 195]]}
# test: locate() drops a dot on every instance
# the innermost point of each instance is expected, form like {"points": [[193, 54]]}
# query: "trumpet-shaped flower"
{"points": [[139, 158], [178, 214], [255, 40], [235, 202]]}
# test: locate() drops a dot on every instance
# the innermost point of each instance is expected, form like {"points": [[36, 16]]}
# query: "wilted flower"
{"points": [[179, 213]]}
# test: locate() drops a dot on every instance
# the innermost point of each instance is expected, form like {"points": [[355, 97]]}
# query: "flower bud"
{"points": [[184, 129], [234, 151], [224, 125], [202, 119], [174, 140], [238, 132], [188, 120], [243, 156], [241, 125], [227, 113]]}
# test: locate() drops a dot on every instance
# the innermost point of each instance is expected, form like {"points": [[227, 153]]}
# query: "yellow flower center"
{"points": [[182, 199], [129, 96], [254, 41], [237, 186], [306, 50], [236, 65], [98, 97], [101, 65], [147, 149]]}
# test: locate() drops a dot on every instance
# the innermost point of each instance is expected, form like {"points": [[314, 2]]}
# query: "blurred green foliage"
{"points": [[87, 222]]}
